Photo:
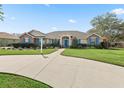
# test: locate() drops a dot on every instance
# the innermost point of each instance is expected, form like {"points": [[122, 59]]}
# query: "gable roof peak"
{"points": [[36, 33]]}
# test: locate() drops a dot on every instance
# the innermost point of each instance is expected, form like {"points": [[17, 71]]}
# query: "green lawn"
{"points": [[17, 81], [109, 56], [25, 52]]}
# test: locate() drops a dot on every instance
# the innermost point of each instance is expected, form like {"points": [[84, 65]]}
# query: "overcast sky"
{"points": [[50, 17]]}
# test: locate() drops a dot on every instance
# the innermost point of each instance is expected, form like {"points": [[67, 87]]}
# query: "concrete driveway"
{"points": [[61, 71]]}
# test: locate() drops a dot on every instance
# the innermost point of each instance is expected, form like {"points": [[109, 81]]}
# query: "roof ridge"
{"points": [[66, 31]]}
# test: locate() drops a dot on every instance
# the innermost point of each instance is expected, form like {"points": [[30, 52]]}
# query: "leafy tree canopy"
{"points": [[108, 25], [1, 13]]}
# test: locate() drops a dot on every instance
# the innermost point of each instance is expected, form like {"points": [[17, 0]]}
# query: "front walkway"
{"points": [[61, 71]]}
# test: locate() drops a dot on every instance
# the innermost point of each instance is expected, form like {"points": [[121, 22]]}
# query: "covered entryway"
{"points": [[65, 42]]}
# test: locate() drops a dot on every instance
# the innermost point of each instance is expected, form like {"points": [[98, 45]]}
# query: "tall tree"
{"points": [[121, 32], [107, 25], [1, 13], [93, 30]]}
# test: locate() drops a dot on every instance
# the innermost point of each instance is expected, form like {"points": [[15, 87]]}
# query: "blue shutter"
{"points": [[29, 40], [38, 41], [23, 40], [79, 41], [97, 40]]}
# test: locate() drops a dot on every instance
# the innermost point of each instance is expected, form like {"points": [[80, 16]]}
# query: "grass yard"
{"points": [[109, 56], [17, 81], [26, 52]]}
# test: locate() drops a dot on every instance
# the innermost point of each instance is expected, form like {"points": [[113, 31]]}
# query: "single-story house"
{"points": [[6, 38], [64, 38], [33, 36]]}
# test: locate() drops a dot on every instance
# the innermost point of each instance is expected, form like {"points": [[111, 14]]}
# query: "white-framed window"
{"points": [[50, 41], [26, 40], [81, 41], [93, 39]]}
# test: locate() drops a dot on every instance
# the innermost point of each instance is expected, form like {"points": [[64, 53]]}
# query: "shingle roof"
{"points": [[36, 33], [4, 35], [57, 34]]}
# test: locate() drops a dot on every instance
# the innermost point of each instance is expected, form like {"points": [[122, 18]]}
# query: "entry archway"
{"points": [[65, 41]]}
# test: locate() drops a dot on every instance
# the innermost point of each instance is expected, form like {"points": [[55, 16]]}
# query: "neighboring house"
{"points": [[6, 38], [33, 36], [64, 38]]}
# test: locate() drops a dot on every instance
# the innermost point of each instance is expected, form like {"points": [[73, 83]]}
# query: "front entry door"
{"points": [[66, 43]]}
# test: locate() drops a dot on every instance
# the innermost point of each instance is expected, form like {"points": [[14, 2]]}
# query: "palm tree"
{"points": [[1, 13]]}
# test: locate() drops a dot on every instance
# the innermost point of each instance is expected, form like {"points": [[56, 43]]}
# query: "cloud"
{"points": [[48, 5], [12, 18], [118, 11], [72, 21], [54, 28]]}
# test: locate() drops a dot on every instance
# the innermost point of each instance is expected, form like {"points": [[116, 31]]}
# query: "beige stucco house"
{"points": [[6, 38]]}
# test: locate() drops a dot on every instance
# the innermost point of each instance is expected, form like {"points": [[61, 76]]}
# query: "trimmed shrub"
{"points": [[74, 43], [82, 45], [25, 45], [99, 46], [105, 45], [51, 45]]}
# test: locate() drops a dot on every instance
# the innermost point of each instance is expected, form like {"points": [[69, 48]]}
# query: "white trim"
{"points": [[94, 34]]}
